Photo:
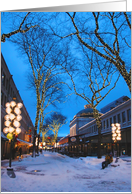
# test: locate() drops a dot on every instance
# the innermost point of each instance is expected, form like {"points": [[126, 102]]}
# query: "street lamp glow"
{"points": [[12, 116], [11, 129], [116, 133], [8, 110], [7, 104], [17, 111], [19, 105], [13, 103], [7, 117], [16, 123], [5, 130], [7, 123], [19, 117], [18, 130]]}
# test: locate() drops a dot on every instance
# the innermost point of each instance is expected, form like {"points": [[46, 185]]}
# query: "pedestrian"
{"points": [[108, 160], [20, 151]]}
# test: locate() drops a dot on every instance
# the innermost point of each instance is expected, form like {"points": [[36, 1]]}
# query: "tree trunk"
{"points": [[34, 139], [98, 122]]}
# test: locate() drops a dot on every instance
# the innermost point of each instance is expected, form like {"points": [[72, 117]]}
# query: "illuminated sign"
{"points": [[73, 139]]}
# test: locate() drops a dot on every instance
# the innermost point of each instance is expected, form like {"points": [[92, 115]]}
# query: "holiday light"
{"points": [[17, 111], [13, 103], [18, 130], [12, 121], [116, 133], [19, 117]]}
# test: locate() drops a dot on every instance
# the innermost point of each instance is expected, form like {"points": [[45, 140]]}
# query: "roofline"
{"points": [[94, 120]]}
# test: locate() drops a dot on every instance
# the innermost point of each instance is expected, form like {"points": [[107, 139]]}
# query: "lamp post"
{"points": [[12, 123], [116, 135]]}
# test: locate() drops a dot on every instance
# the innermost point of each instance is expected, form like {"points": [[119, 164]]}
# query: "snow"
{"points": [[53, 172]]}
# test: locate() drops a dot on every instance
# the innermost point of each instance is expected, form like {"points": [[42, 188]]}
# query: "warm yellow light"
{"points": [[117, 124], [114, 128], [5, 130], [7, 123], [117, 131], [16, 123], [19, 117], [8, 110], [19, 105], [13, 103], [12, 116], [18, 130], [7, 117], [17, 111], [11, 129], [7, 104]]}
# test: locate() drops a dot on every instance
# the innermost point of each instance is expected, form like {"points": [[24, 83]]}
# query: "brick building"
{"points": [[8, 91]]}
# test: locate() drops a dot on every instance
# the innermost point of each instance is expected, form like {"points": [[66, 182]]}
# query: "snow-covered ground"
{"points": [[52, 172]]}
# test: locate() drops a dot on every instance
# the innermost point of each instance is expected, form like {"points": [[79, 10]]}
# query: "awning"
{"points": [[24, 142], [4, 137]]}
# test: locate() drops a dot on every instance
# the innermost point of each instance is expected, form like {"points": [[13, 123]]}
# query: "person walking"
{"points": [[20, 151]]}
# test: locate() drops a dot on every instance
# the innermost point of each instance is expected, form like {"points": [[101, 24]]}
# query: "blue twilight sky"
{"points": [[18, 69]]}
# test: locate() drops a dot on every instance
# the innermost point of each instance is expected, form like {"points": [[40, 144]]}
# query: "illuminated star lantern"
{"points": [[116, 132], [12, 118]]}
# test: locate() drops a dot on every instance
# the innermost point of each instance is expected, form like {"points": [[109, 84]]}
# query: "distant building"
{"points": [[80, 119], [83, 139], [114, 104], [8, 91]]}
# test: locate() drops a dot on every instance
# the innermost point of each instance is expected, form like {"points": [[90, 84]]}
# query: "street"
{"points": [[53, 172]]}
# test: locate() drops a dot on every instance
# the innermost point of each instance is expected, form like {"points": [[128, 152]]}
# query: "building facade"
{"points": [[85, 140], [8, 91]]}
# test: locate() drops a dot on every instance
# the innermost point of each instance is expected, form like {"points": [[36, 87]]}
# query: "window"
{"points": [[110, 121], [107, 121], [7, 83], [3, 79], [104, 124], [92, 129], [2, 98], [5, 101], [123, 117], [114, 119], [119, 118], [11, 92], [129, 115]]}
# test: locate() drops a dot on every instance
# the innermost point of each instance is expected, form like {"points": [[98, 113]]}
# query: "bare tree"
{"points": [[45, 78], [23, 27], [94, 85], [108, 34], [54, 122]]}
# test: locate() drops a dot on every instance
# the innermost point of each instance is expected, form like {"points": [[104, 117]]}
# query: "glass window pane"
{"points": [[129, 115], [123, 117]]}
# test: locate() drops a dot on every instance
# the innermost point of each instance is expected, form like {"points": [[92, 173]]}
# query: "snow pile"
{"points": [[52, 172]]}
